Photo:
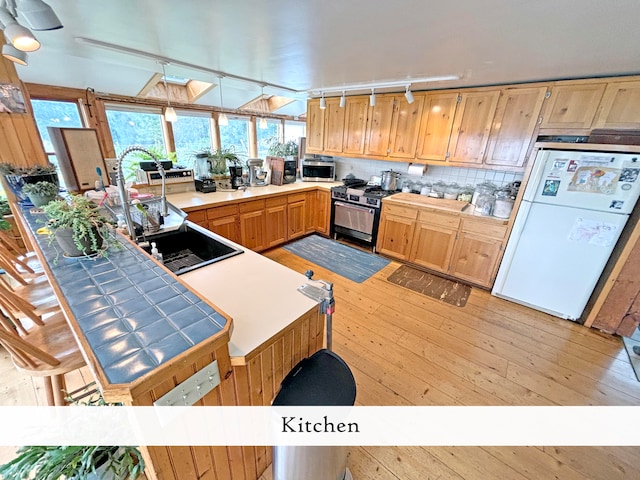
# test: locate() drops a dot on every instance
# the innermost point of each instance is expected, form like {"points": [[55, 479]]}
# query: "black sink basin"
{"points": [[189, 248]]}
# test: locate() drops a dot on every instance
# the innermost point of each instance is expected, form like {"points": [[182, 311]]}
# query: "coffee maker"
{"points": [[257, 176], [236, 177], [290, 171]]}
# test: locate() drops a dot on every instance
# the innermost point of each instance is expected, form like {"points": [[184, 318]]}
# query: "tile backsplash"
{"points": [[364, 168]]}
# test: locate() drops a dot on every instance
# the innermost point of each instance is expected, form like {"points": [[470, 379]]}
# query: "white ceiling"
{"points": [[311, 44]]}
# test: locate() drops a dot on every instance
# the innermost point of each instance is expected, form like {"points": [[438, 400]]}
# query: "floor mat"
{"points": [[634, 358], [453, 293], [346, 261]]}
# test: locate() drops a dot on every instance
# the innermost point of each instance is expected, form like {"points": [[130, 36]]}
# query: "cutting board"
{"points": [[425, 201]]}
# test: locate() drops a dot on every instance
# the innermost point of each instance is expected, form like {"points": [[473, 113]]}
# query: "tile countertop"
{"points": [[195, 200]]}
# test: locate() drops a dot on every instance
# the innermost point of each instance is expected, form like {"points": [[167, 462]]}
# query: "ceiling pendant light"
{"points": [[222, 118], [408, 95], [323, 102], [343, 100], [19, 36], [169, 112], [372, 98], [263, 121], [12, 53], [39, 15]]}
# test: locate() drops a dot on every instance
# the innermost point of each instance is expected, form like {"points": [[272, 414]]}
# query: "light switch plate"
{"points": [[193, 388]]}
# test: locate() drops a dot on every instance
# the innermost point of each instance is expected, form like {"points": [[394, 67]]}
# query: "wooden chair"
{"points": [[22, 268], [32, 301], [49, 351]]}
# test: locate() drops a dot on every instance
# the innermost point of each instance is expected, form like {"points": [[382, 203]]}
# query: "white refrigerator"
{"points": [[574, 208]]}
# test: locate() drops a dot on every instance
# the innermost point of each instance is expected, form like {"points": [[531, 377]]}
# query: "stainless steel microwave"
{"points": [[317, 171]]}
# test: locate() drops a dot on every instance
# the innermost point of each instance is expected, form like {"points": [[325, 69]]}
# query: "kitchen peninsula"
{"points": [[143, 331]]}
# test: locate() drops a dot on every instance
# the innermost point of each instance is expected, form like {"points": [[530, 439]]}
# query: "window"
{"points": [[191, 134], [49, 113], [294, 130], [235, 136], [135, 126], [266, 136]]}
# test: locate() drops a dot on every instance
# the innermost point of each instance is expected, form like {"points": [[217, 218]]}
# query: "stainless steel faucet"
{"points": [[124, 200]]}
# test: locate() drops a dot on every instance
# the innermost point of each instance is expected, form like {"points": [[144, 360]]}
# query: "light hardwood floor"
{"points": [[407, 349]]}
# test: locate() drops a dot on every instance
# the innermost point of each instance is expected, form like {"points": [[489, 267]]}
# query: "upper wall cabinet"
{"points": [[379, 126], [355, 125], [333, 126], [405, 126], [620, 106], [513, 126], [472, 125], [572, 106], [315, 126], [435, 125]]}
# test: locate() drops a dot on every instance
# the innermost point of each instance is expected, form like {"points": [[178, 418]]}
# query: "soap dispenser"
{"points": [[155, 253]]}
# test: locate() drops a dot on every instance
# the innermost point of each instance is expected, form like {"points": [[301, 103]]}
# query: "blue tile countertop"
{"points": [[134, 315]]}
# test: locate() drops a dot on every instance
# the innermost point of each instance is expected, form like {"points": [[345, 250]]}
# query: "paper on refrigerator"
{"points": [[593, 232]]}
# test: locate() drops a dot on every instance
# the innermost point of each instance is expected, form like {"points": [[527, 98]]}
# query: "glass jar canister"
{"points": [[437, 190], [483, 188], [452, 191], [466, 193], [485, 205], [407, 185], [503, 204], [426, 189]]}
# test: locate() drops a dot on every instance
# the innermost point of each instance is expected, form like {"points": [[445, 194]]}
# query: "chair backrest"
{"points": [[15, 266], [23, 352]]}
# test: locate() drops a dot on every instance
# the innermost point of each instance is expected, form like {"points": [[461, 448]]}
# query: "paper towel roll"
{"points": [[416, 169]]}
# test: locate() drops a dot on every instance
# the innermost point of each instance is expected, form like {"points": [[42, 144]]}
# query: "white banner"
{"points": [[426, 426]]}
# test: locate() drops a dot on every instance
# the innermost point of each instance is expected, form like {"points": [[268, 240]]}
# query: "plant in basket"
{"points": [[17, 177], [40, 193]]}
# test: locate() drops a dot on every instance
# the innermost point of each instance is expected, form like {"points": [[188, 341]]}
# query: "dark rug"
{"points": [[346, 261], [634, 358], [453, 293]]}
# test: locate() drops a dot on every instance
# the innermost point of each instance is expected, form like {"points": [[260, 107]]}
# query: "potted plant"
{"points": [[220, 159], [287, 150], [40, 193], [17, 177], [78, 226]]}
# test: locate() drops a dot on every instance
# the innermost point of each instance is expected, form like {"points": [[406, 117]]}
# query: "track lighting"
{"points": [[19, 36], [323, 102], [363, 87], [222, 119], [372, 98], [39, 15], [169, 112], [408, 95], [12, 53], [343, 100]]}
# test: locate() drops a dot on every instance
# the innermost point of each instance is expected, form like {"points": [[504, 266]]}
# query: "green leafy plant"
{"points": [[9, 169], [90, 228], [220, 159], [279, 149], [41, 188], [4, 207]]}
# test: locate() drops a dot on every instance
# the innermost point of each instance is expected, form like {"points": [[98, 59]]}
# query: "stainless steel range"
{"points": [[355, 212]]}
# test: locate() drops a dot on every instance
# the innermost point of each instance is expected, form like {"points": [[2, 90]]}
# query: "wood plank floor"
{"points": [[408, 349]]}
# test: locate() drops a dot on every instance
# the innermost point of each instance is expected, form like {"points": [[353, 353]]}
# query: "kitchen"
{"points": [[361, 303]]}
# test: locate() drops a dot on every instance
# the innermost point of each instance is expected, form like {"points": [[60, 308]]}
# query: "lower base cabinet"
{"points": [[276, 219], [395, 233], [253, 225], [433, 246], [224, 221]]}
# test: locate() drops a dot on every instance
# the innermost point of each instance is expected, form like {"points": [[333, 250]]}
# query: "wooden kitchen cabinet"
{"points": [[253, 225], [395, 234], [572, 106], [315, 126], [514, 122], [318, 211], [436, 123], [434, 240], [405, 126], [199, 217], [355, 125], [334, 117], [225, 221], [620, 107], [296, 215], [379, 126], [471, 126], [276, 221]]}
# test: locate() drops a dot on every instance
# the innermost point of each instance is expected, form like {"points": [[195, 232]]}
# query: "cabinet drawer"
{"points": [[251, 206], [220, 212], [399, 211], [275, 201], [488, 229], [197, 216], [443, 220], [297, 197]]}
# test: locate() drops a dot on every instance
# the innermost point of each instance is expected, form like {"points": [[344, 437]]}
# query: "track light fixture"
{"points": [[19, 36], [408, 95], [12, 53], [39, 15], [363, 87], [169, 112], [222, 118], [372, 98], [343, 100], [323, 102]]}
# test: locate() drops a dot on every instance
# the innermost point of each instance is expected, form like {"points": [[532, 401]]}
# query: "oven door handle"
{"points": [[354, 207]]}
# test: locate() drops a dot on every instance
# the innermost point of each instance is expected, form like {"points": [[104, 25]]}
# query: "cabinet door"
{"points": [[333, 126], [433, 246], [355, 125], [395, 235], [471, 126], [315, 126], [228, 227], [379, 127], [573, 106], [620, 107], [198, 217], [296, 216], [476, 258], [513, 126], [276, 221], [435, 126], [321, 211], [252, 230], [405, 126]]}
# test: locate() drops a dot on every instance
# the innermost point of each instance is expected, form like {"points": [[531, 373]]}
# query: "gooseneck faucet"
{"points": [[124, 200]]}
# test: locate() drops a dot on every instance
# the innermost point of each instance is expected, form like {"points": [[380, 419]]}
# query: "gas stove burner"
{"points": [[353, 182]]}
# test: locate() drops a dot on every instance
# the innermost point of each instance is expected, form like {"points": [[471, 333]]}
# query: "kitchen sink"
{"points": [[189, 248]]}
